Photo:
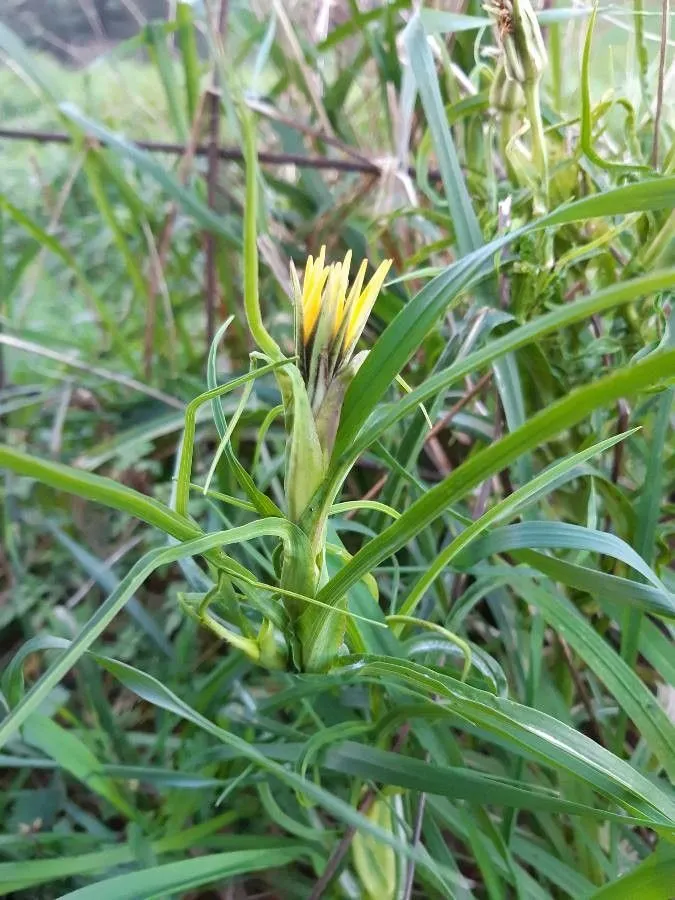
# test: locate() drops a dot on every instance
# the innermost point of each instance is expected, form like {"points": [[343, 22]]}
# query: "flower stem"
{"points": [[539, 152], [256, 325]]}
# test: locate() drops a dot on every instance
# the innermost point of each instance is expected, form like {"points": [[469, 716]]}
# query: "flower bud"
{"points": [[305, 463], [519, 34], [331, 314], [375, 862], [506, 95]]}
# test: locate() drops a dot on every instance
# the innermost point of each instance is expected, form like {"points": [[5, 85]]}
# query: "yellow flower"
{"points": [[330, 314], [328, 307]]}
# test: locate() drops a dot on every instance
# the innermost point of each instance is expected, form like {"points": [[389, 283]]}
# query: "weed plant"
{"points": [[368, 593]]}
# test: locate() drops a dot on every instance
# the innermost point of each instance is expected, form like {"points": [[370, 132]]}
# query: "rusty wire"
{"points": [[234, 154]]}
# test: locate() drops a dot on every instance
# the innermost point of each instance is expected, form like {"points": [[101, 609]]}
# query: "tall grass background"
{"points": [[503, 723]]}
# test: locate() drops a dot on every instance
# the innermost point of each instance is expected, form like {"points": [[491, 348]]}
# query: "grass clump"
{"points": [[367, 593]]}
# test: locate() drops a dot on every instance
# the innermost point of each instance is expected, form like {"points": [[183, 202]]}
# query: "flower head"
{"points": [[519, 35], [330, 313]]}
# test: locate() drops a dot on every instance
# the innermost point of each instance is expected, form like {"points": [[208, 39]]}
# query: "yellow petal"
{"points": [[346, 265], [313, 270], [355, 290], [342, 293], [309, 267], [317, 269], [361, 307], [331, 297], [311, 301]]}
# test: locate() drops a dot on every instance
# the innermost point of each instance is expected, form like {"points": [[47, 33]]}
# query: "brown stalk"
{"points": [[234, 154], [371, 493], [665, 20], [316, 134], [459, 406]]}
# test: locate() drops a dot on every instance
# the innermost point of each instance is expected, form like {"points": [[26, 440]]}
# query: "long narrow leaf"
{"points": [[407, 331], [653, 371]]}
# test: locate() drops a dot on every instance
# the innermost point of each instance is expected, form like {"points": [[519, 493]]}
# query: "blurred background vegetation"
{"points": [[116, 266]]}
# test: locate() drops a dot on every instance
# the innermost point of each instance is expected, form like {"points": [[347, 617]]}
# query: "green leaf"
{"points": [[631, 694], [407, 331], [601, 301], [75, 757], [27, 62], [261, 502], [49, 242], [649, 599], [188, 200], [507, 507], [648, 514], [118, 599], [185, 460], [25, 874], [558, 535], [437, 21], [548, 740], [468, 236], [652, 879], [186, 34], [156, 693], [370, 763], [467, 230], [12, 678], [106, 578], [586, 132], [156, 41], [358, 21], [653, 370], [99, 489], [183, 876]]}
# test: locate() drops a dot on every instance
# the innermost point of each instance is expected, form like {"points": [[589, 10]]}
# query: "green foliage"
{"points": [[432, 657]]}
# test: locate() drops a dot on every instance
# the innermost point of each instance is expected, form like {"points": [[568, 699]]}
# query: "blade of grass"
{"points": [[186, 34], [586, 134], [632, 695], [51, 243], [103, 575], [550, 741], [75, 757], [468, 236], [575, 407], [561, 317], [506, 508], [179, 877], [407, 331], [187, 199]]}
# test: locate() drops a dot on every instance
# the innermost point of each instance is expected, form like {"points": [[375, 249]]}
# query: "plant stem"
{"points": [[665, 24], [256, 325], [539, 152], [640, 48]]}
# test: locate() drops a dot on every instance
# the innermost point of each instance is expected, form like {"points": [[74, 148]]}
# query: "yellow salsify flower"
{"points": [[330, 315], [331, 311]]}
